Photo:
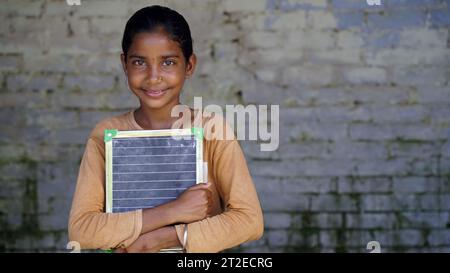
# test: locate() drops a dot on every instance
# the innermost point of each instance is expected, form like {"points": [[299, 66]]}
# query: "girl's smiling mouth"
{"points": [[154, 93]]}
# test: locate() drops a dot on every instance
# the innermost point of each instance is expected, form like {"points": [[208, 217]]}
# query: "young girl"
{"points": [[157, 58]]}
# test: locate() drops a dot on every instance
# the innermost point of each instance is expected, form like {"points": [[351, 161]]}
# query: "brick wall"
{"points": [[364, 113]]}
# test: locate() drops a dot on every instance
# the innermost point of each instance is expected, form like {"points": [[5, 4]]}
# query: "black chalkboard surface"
{"points": [[146, 168]]}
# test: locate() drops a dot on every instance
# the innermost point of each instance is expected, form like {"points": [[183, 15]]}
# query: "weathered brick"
{"points": [[70, 136], [45, 63], [78, 101], [304, 238], [405, 56], [295, 5], [440, 114], [10, 63], [11, 189], [321, 19], [17, 171], [439, 237], [340, 57], [440, 18], [383, 95], [53, 119], [32, 82], [415, 4], [262, 57], [305, 149], [370, 220], [432, 94], [122, 101], [107, 26], [289, 202], [379, 202], [415, 185], [103, 8], [349, 39], [263, 39], [21, 7], [397, 19], [349, 20], [418, 76], [320, 220], [289, 21], [304, 185], [400, 238], [365, 75], [308, 39], [55, 221], [277, 237], [12, 152], [403, 114], [356, 240], [89, 83], [391, 132], [364, 185], [383, 167], [58, 8], [328, 203], [444, 202], [423, 220], [423, 38], [353, 5], [381, 39], [88, 119], [239, 6], [357, 150], [311, 75], [429, 202], [328, 238], [39, 29], [318, 131], [341, 114], [51, 152], [277, 220], [425, 167], [109, 63]]}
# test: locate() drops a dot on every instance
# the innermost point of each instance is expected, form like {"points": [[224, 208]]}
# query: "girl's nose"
{"points": [[154, 75]]}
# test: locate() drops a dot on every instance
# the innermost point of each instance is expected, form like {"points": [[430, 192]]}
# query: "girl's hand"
{"points": [[153, 241], [194, 204], [146, 243]]}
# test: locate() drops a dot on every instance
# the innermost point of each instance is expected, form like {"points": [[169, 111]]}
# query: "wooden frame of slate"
{"points": [[148, 168]]}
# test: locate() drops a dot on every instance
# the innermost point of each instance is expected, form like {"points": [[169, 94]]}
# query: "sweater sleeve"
{"points": [[88, 223], [242, 219]]}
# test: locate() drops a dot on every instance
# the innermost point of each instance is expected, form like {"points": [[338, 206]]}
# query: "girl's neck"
{"points": [[154, 119]]}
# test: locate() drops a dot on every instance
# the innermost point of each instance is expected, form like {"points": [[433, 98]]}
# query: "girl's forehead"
{"points": [[154, 41]]}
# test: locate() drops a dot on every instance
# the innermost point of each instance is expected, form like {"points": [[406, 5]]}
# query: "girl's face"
{"points": [[156, 69]]}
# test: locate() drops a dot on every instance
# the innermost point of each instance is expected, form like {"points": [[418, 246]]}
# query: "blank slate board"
{"points": [[145, 168]]}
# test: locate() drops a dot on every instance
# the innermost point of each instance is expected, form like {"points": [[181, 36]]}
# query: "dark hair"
{"points": [[154, 18]]}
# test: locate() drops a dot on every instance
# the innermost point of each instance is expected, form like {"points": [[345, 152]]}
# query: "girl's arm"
{"points": [[192, 205], [242, 219], [93, 229], [241, 222], [154, 241]]}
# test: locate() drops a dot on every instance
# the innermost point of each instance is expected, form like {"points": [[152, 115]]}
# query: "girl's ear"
{"points": [[190, 66], [124, 63]]}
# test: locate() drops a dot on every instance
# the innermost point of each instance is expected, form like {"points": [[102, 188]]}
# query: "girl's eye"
{"points": [[138, 62], [168, 62]]}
